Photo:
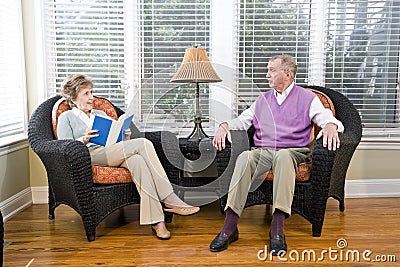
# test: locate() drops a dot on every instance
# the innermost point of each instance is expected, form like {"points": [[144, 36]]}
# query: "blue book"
{"points": [[110, 131]]}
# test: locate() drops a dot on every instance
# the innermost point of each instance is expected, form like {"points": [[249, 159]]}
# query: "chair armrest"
{"points": [[321, 170], [69, 172], [240, 143], [349, 140], [167, 148]]}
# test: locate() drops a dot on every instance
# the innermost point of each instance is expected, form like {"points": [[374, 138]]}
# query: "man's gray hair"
{"points": [[288, 63]]}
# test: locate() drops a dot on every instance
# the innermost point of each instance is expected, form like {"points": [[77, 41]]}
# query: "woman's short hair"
{"points": [[72, 85]]}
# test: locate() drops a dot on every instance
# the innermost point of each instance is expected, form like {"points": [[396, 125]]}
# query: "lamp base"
{"points": [[198, 132]]}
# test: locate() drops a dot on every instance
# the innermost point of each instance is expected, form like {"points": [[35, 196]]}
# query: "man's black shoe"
{"points": [[277, 244], [222, 241]]}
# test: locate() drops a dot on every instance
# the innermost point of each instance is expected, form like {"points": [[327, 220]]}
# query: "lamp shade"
{"points": [[195, 67]]}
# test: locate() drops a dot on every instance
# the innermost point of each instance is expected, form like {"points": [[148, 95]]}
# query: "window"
{"points": [[362, 60], [353, 45], [168, 28], [12, 74], [131, 49], [87, 37], [268, 28]]}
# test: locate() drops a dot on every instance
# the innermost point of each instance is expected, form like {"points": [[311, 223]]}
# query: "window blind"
{"points": [[268, 28], [167, 29], [131, 49], [363, 59], [12, 74], [87, 37]]}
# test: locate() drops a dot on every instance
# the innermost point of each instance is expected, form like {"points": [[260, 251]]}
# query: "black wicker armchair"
{"points": [[2, 238], [69, 171], [328, 169]]}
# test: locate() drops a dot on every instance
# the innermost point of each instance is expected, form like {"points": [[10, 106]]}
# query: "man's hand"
{"points": [[220, 135], [330, 136]]}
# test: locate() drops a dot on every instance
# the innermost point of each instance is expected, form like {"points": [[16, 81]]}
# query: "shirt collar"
{"points": [[81, 115], [286, 92]]}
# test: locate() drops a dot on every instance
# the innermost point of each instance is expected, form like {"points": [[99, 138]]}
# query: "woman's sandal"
{"points": [[161, 232], [189, 210]]}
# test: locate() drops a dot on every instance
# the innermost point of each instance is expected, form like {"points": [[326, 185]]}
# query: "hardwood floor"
{"points": [[367, 224]]}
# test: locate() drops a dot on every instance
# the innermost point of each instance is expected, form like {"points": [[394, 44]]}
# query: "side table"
{"points": [[202, 167]]}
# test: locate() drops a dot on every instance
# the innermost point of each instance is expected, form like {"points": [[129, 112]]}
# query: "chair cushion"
{"points": [[99, 103], [303, 171], [327, 103], [101, 174], [110, 175], [302, 174]]}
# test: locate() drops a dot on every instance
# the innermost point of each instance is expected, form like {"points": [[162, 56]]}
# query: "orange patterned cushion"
{"points": [[109, 175], [327, 102], [304, 169], [101, 174], [99, 103], [302, 174]]}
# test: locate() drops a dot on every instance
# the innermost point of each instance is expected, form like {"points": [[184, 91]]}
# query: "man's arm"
{"points": [[330, 125], [243, 122]]}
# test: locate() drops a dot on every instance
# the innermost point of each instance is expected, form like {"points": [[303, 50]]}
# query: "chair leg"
{"points": [[222, 204], [168, 217], [51, 214], [90, 233], [91, 237], [341, 205], [316, 230]]}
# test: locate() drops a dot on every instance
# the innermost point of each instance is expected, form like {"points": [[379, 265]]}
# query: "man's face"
{"points": [[278, 78]]}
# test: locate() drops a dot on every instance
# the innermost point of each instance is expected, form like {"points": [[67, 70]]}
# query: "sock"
{"points": [[231, 221], [278, 223]]}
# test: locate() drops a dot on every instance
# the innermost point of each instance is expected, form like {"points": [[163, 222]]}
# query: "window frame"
{"points": [[15, 142]]}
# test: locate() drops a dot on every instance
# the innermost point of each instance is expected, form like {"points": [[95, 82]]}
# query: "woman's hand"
{"points": [[89, 134], [127, 134]]}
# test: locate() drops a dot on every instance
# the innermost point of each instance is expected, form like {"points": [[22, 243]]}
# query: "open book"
{"points": [[110, 131]]}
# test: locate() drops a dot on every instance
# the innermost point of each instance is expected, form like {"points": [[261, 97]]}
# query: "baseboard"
{"points": [[372, 188], [40, 194], [353, 189], [15, 204]]}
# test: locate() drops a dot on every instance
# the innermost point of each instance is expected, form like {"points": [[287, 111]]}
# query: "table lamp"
{"points": [[196, 68]]}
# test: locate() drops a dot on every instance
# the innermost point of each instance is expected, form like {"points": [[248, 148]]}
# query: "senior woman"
{"points": [[137, 155]]}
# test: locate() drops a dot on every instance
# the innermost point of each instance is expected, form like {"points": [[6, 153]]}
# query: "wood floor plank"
{"points": [[367, 224]]}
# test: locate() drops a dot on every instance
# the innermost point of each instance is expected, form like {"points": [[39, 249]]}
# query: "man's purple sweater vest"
{"points": [[284, 126]]}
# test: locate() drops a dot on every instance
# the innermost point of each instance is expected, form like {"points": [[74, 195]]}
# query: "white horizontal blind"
{"points": [[167, 29], [131, 49], [12, 74], [268, 28], [87, 37], [363, 59]]}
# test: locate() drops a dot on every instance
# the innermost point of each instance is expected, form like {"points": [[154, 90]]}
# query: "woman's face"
{"points": [[84, 99]]}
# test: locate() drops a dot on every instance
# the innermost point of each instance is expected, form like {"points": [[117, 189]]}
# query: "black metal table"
{"points": [[202, 167]]}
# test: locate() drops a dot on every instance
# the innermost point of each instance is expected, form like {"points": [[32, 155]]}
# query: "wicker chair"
{"points": [[71, 177], [2, 238], [324, 178]]}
